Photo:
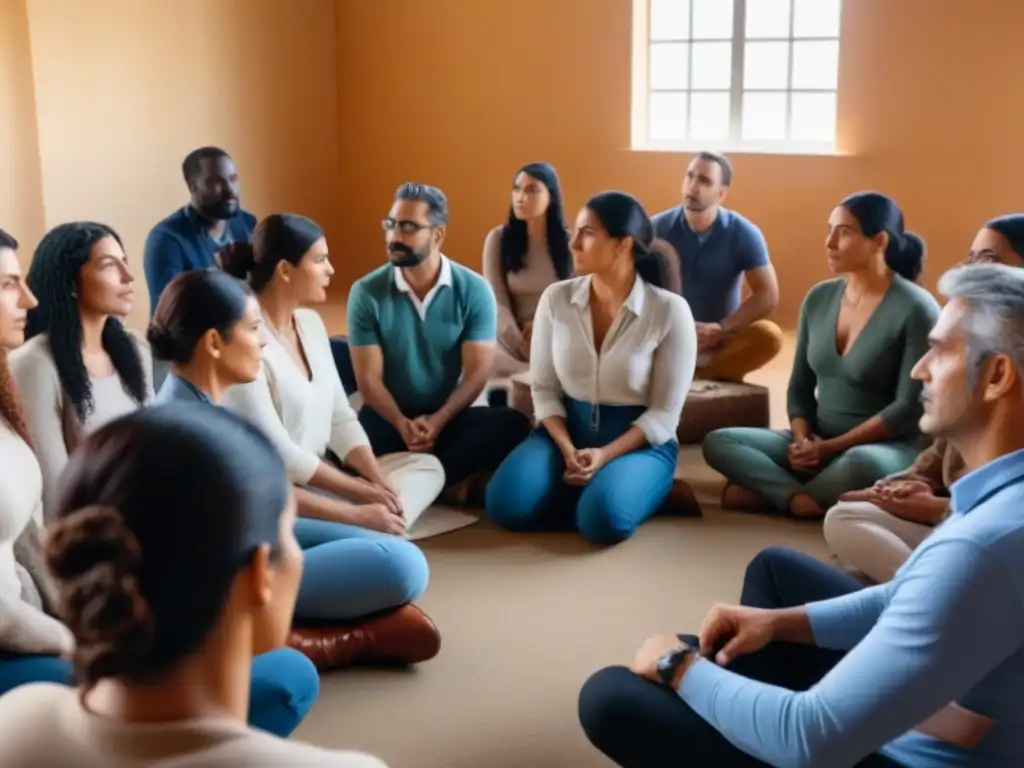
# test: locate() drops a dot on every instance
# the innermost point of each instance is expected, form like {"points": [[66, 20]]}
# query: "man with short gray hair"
{"points": [[422, 331], [925, 671]]}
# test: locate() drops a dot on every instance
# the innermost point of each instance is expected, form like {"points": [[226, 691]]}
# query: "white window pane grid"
{"points": [[785, 87]]}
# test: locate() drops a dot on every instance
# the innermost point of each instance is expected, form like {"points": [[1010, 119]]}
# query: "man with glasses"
{"points": [[422, 331]]}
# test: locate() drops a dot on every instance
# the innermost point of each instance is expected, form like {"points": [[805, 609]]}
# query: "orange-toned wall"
{"points": [[459, 94], [123, 89], [21, 195]]}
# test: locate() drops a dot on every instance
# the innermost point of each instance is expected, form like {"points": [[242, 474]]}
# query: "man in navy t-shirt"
{"points": [[717, 249], [190, 237]]}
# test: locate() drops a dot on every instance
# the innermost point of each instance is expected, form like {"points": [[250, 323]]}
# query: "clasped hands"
{"points": [[728, 631], [710, 336], [420, 434], [379, 507], [905, 498], [806, 454], [581, 464]]}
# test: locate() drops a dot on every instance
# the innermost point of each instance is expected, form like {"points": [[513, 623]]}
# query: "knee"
{"points": [[765, 564], [430, 466], [858, 466], [768, 337], [409, 574], [605, 704], [284, 686], [845, 517], [717, 448], [511, 499], [604, 521]]}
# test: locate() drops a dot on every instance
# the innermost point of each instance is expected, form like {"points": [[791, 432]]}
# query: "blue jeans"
{"points": [[352, 572], [527, 492], [284, 684]]}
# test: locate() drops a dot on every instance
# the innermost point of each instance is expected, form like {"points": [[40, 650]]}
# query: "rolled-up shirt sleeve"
{"points": [[672, 368], [545, 387]]}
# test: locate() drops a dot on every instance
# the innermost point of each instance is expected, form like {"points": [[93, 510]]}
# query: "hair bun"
{"points": [[237, 259], [163, 345], [95, 559]]}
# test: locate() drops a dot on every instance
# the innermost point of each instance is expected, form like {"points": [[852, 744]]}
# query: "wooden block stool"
{"points": [[712, 405]]}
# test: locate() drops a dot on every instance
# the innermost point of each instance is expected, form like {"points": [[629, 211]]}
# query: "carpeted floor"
{"points": [[526, 619]]}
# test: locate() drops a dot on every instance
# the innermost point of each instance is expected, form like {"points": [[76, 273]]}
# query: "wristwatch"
{"points": [[669, 663]]}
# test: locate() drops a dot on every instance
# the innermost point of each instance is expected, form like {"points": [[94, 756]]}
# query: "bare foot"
{"points": [[804, 506], [740, 498]]}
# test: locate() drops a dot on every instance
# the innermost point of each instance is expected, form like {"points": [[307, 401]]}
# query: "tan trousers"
{"points": [[745, 351], [868, 539]]}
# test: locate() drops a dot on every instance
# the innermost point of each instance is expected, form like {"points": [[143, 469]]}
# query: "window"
{"points": [[754, 75]]}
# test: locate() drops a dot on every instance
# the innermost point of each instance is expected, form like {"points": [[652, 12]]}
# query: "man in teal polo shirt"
{"points": [[422, 331]]}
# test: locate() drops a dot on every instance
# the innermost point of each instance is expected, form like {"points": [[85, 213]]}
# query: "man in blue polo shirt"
{"points": [[422, 331], [926, 671], [190, 237], [717, 249]]}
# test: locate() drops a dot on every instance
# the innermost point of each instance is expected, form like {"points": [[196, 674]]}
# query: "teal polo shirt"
{"points": [[421, 341]]}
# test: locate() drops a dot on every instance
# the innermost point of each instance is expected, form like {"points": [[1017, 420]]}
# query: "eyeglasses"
{"points": [[405, 227]]}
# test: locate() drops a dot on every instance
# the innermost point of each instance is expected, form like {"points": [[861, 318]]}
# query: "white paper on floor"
{"points": [[437, 520]]}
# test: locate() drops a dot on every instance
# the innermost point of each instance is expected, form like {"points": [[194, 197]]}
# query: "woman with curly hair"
{"points": [[32, 642], [162, 653], [81, 367]]}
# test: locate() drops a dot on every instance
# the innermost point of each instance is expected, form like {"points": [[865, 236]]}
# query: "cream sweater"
{"points": [[24, 627], [45, 725], [42, 399], [302, 417]]}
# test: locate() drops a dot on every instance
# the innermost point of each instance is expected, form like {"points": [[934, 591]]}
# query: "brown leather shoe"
{"points": [[404, 635], [681, 501]]}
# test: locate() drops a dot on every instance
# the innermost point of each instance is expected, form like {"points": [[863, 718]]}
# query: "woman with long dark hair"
{"points": [[523, 257], [175, 565], [355, 506], [34, 644], [612, 358], [80, 367], [853, 406]]}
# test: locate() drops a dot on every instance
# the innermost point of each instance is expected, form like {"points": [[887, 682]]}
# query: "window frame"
{"points": [[641, 92]]}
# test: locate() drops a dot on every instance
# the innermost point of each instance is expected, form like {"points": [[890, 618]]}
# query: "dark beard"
{"points": [[220, 211], [405, 258]]}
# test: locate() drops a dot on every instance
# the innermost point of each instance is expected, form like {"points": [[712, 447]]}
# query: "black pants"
{"points": [[476, 440], [642, 725]]}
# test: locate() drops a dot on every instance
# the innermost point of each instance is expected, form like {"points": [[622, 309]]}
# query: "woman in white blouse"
{"points": [[612, 359], [80, 367], [358, 561]]}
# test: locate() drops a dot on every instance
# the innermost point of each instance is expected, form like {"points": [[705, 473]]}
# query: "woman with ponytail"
{"points": [[853, 407], [362, 573], [171, 575], [612, 358]]}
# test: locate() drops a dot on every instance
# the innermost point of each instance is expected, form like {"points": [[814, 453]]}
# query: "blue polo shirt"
{"points": [[421, 341], [948, 628], [713, 262], [179, 244]]}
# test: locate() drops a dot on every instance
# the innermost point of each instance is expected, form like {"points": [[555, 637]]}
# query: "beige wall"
{"points": [[123, 89], [21, 195], [929, 107]]}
